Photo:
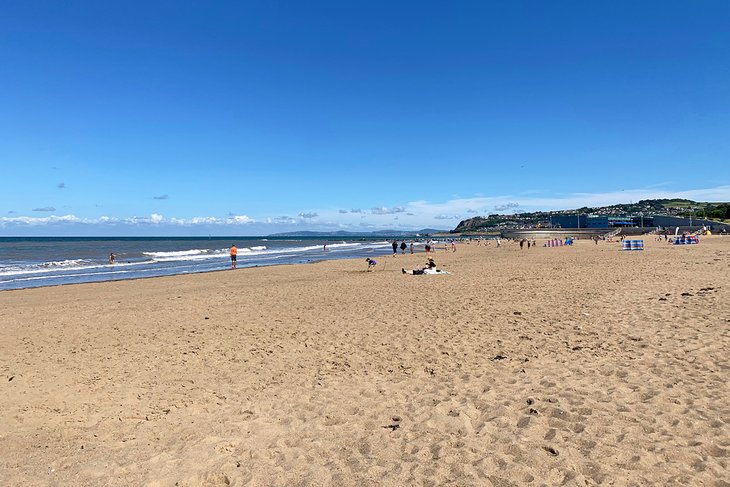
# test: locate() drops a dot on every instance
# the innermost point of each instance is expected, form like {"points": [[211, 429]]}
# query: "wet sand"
{"points": [[549, 366]]}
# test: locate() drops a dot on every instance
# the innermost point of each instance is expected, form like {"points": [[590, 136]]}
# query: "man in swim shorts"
{"points": [[234, 253]]}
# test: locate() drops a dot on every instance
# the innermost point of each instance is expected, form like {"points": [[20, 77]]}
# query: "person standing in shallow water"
{"points": [[112, 258], [234, 254]]}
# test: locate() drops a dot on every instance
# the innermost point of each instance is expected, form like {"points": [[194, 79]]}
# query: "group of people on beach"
{"points": [[403, 247]]}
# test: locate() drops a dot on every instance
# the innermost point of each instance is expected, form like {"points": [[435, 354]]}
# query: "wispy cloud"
{"points": [[506, 206], [308, 216], [160, 197], [446, 217], [34, 221], [45, 208], [283, 220], [61, 185], [382, 210], [342, 211]]}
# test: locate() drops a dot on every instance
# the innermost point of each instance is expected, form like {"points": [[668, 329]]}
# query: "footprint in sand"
{"points": [[552, 451]]}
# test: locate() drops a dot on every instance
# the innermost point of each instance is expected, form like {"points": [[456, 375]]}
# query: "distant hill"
{"points": [[344, 234], [671, 207]]}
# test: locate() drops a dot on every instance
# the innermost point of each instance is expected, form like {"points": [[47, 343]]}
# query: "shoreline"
{"points": [[161, 277]]}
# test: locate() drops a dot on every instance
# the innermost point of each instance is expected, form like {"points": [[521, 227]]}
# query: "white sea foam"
{"points": [[181, 253], [68, 265], [343, 244]]}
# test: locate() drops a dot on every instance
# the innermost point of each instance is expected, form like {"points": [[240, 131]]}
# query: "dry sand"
{"points": [[553, 366]]}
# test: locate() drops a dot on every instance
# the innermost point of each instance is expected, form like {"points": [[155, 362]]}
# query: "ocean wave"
{"points": [[183, 253], [65, 265]]}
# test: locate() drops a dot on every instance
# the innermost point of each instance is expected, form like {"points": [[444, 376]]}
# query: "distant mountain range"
{"points": [[672, 207], [377, 233]]}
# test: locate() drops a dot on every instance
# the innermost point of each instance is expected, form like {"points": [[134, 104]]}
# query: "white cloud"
{"points": [[32, 221], [387, 211], [241, 219], [156, 218]]}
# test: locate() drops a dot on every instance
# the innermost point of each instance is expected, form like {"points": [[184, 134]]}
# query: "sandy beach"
{"points": [[549, 366]]}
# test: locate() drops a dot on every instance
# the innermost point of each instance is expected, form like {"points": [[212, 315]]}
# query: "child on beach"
{"points": [[371, 264]]}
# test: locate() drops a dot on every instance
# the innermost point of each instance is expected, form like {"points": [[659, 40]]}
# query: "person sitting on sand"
{"points": [[430, 264], [371, 264]]}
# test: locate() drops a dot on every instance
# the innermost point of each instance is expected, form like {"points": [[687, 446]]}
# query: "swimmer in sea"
{"points": [[112, 257]]}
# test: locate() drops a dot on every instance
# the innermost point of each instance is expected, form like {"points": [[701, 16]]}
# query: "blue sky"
{"points": [[246, 118]]}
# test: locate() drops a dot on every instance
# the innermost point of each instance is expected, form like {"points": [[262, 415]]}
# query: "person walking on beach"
{"points": [[395, 248], [411, 247], [403, 247], [234, 253], [522, 243], [112, 258]]}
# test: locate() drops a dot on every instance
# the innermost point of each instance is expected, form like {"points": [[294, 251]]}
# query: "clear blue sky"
{"points": [[255, 117]]}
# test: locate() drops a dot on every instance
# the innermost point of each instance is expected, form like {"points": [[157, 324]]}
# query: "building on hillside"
{"points": [[665, 221], [603, 221], [569, 221], [625, 221]]}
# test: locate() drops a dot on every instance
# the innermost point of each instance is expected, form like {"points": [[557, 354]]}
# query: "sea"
{"points": [[50, 261]]}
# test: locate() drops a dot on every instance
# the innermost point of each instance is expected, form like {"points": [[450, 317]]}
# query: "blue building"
{"points": [[569, 221]]}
